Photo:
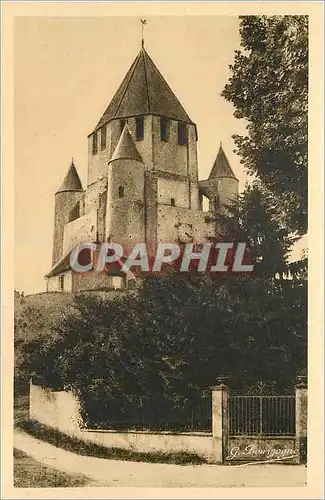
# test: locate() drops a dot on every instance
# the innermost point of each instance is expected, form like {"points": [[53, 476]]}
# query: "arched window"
{"points": [[121, 192], [172, 202]]}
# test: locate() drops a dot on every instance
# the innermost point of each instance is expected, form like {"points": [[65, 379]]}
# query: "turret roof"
{"points": [[144, 91], [72, 181], [221, 166], [125, 148]]}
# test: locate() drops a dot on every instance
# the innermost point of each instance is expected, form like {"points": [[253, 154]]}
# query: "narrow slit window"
{"points": [[139, 128], [103, 133], [164, 129], [61, 282], [75, 212], [121, 192], [122, 124], [95, 143], [182, 134], [172, 202]]}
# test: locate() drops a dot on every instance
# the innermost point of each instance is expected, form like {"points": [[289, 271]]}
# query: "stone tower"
{"points": [[142, 180], [67, 208], [221, 188], [125, 208], [163, 136]]}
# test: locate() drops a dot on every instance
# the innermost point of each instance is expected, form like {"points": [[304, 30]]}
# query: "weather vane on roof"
{"points": [[143, 23]]}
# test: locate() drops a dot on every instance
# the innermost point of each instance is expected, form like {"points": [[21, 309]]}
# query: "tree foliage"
{"points": [[269, 89], [175, 337], [256, 218]]}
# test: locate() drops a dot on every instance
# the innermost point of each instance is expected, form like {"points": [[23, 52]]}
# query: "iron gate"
{"points": [[262, 416]]}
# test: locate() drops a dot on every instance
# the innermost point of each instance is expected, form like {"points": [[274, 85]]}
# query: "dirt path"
{"points": [[115, 473]]}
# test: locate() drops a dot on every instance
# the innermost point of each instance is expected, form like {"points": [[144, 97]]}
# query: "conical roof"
{"points": [[144, 91], [221, 166], [72, 181], [125, 148]]}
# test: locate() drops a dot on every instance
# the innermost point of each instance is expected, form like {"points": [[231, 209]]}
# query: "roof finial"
{"points": [[221, 144], [143, 23], [72, 162]]}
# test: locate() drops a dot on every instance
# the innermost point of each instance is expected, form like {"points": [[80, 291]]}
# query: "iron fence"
{"points": [[157, 412], [262, 416]]}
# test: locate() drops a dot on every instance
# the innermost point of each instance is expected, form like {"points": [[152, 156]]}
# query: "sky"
{"points": [[66, 71]]}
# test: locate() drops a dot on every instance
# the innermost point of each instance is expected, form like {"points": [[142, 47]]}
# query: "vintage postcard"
{"points": [[162, 258]]}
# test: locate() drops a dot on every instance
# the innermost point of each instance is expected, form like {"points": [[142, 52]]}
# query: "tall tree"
{"points": [[269, 89], [256, 218]]}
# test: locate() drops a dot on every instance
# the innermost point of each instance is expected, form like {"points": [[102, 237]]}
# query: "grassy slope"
{"points": [[21, 408], [80, 447], [28, 473]]}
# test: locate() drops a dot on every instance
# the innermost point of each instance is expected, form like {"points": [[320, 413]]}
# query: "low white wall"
{"points": [[57, 409], [145, 441], [61, 410]]}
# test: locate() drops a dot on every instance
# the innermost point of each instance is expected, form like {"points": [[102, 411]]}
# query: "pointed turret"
{"points": [[222, 185], [67, 208], [72, 181], [144, 91], [221, 166], [126, 149]]}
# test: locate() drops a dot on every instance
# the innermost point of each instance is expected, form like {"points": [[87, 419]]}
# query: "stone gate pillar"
{"points": [[301, 420], [220, 422]]}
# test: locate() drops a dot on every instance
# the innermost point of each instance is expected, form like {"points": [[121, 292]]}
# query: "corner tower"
{"points": [[125, 208], [222, 185], [68, 199]]}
